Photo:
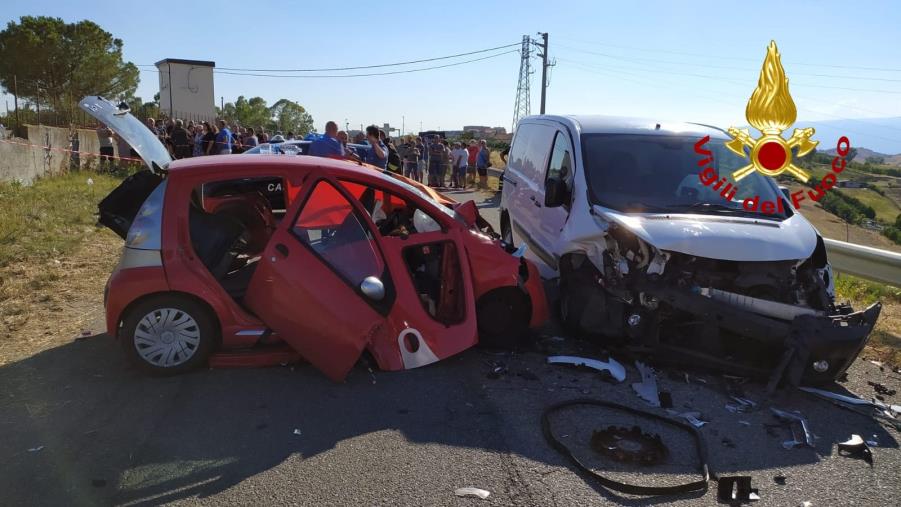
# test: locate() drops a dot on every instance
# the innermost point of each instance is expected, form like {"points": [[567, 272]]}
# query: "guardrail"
{"points": [[866, 262]]}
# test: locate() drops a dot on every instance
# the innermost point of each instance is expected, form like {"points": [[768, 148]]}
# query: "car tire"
{"points": [[168, 334], [503, 317]]}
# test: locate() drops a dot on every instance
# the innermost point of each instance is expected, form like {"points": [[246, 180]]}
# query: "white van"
{"points": [[617, 210]]}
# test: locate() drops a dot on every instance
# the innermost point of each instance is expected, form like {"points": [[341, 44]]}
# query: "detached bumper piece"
{"points": [[816, 348]]}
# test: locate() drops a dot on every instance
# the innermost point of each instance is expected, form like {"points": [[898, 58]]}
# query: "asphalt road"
{"points": [[79, 427]]}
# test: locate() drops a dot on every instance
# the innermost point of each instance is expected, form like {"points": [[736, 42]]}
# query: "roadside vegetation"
{"points": [[51, 217], [54, 261], [885, 341]]}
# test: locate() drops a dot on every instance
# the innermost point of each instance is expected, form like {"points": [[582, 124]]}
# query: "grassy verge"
{"points": [[51, 217], [885, 341], [54, 261]]}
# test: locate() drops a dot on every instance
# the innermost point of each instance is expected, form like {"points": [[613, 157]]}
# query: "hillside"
{"points": [[831, 226], [864, 153], [877, 134]]}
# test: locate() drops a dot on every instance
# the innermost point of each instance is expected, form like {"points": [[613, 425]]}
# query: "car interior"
{"points": [[231, 221]]}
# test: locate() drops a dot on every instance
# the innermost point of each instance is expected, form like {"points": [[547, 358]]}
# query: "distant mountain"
{"points": [[864, 153], [882, 135]]}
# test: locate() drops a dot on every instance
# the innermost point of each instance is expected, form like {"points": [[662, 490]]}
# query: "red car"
{"points": [[242, 261]]}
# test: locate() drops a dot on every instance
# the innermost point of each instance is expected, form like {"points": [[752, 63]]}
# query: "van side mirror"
{"points": [[554, 193]]}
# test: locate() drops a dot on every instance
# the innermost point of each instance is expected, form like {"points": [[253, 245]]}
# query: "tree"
{"points": [[55, 63], [290, 116]]}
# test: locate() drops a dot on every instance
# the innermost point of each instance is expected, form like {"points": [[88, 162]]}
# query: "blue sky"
{"points": [[696, 61]]}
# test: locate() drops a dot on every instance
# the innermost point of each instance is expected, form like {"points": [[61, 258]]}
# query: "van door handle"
{"points": [[282, 249]]}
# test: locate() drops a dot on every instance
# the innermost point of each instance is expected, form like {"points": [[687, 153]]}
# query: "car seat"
{"points": [[217, 239]]}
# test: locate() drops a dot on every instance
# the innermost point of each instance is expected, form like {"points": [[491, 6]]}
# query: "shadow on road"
{"points": [[81, 427]]}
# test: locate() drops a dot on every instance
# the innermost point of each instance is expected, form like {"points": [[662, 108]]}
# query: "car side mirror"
{"points": [[373, 288], [554, 193]]}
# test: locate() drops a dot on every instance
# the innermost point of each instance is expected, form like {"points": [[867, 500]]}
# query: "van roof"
{"points": [[599, 124]]}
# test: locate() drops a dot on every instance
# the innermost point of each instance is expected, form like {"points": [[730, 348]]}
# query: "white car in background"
{"points": [[649, 257]]}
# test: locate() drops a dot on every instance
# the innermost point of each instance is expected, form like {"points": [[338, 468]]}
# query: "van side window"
{"points": [[560, 166]]}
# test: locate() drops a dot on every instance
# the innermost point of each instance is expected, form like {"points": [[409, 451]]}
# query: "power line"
{"points": [[333, 69], [619, 75], [407, 71], [704, 55], [706, 76]]}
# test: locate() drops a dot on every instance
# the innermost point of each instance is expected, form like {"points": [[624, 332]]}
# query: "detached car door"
{"points": [[322, 282]]}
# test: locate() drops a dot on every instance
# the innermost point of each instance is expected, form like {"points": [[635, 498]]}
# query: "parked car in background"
{"points": [[648, 256], [335, 260]]}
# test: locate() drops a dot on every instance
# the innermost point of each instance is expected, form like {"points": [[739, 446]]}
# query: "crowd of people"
{"points": [[430, 160]]}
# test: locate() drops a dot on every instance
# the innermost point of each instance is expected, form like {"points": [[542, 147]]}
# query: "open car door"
{"points": [[322, 283]]}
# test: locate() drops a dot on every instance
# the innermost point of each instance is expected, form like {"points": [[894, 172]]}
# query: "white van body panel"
{"points": [[583, 226]]}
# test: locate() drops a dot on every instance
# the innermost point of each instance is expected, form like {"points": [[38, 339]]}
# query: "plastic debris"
{"points": [[801, 434], [36, 449], [693, 418], [297, 431], [611, 366], [496, 369], [744, 423], [855, 447], [647, 388], [472, 492], [779, 479], [741, 405], [805, 503]]}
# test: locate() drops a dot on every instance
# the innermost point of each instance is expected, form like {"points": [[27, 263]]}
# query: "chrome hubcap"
{"points": [[167, 337]]}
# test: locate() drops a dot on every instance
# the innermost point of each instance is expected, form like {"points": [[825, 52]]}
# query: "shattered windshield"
{"points": [[647, 173]]}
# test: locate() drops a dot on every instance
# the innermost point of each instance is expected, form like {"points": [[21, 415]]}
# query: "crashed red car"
{"points": [[243, 261]]}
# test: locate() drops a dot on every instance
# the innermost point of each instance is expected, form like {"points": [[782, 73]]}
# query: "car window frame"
{"points": [[383, 306]]}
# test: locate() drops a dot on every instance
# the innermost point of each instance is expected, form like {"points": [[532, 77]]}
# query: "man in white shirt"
{"points": [[460, 158]]}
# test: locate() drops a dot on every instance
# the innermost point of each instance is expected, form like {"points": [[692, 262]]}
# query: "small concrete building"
{"points": [[186, 89]]}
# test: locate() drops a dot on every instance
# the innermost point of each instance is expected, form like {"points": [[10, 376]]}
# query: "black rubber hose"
{"points": [[633, 489]]}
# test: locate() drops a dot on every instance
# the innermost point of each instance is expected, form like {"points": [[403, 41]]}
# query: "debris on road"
{"points": [[855, 447], [779, 479], [647, 388], [611, 366], [632, 489], [629, 445], [693, 418], [36, 449], [297, 431], [496, 369], [798, 425], [472, 493], [736, 490], [881, 389]]}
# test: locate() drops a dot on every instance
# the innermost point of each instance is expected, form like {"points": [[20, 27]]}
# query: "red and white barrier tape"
{"points": [[66, 150]]}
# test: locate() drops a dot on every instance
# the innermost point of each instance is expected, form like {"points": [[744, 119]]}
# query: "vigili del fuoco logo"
{"points": [[772, 111]]}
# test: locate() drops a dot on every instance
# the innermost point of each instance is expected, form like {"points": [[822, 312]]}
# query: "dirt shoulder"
{"points": [[49, 303]]}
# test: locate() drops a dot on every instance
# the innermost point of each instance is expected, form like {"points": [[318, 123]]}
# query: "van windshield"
{"points": [[648, 173]]}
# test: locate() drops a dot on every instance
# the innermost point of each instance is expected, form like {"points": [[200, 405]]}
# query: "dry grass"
{"points": [[53, 261], [885, 341]]}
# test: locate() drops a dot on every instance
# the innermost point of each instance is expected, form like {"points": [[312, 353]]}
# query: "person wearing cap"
{"points": [[328, 145]]}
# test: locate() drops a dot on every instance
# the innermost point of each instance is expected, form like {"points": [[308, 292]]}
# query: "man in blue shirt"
{"points": [[223, 139], [378, 154], [327, 145]]}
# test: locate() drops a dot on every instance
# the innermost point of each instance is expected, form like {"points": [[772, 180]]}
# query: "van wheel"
{"points": [[503, 317], [168, 334], [507, 231], [572, 305]]}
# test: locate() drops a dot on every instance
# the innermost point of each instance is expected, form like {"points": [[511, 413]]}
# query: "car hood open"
{"points": [[129, 128], [720, 237]]}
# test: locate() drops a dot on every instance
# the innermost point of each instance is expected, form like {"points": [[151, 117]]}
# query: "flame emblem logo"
{"points": [[771, 110]]}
